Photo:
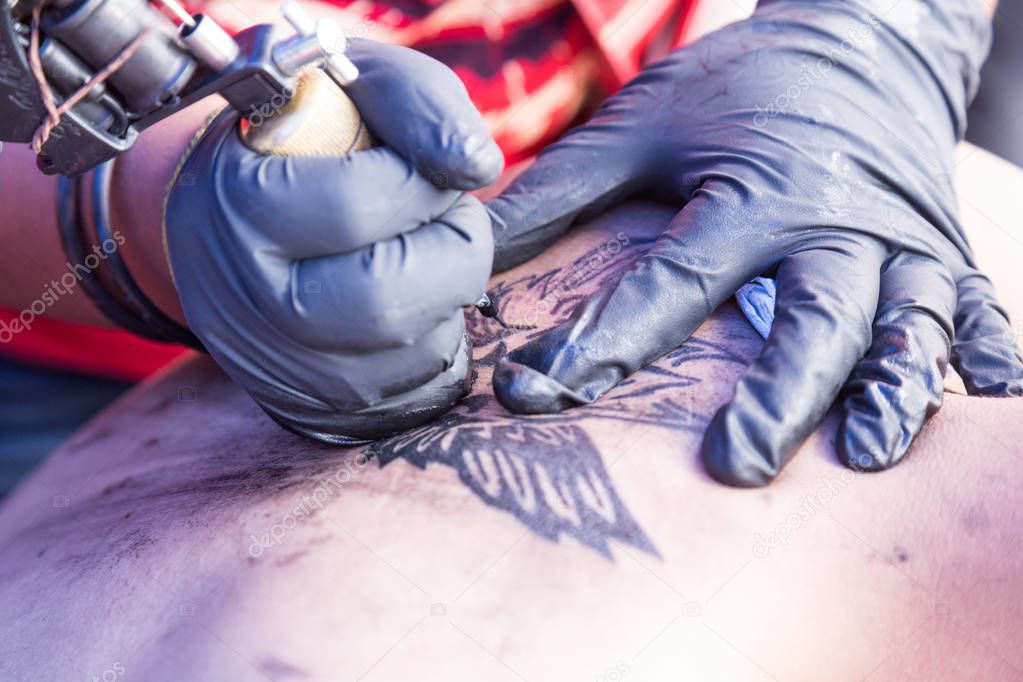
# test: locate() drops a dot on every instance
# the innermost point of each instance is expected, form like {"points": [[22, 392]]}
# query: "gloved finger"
{"points": [[656, 305], [418, 405], [418, 106], [899, 385], [985, 348], [589, 169], [388, 294], [826, 303], [304, 207]]}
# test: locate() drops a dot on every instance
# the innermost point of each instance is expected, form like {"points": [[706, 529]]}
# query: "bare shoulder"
{"points": [[192, 443], [183, 536]]}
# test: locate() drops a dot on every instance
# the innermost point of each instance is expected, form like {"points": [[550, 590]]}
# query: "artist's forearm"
{"points": [[32, 261], [139, 185], [34, 271]]}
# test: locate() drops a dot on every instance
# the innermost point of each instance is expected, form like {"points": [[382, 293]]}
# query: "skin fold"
{"points": [[182, 535]]}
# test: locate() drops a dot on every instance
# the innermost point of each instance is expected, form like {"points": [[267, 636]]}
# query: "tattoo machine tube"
{"points": [[210, 44]]}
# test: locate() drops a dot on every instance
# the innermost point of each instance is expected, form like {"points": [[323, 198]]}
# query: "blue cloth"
{"points": [[756, 299]]}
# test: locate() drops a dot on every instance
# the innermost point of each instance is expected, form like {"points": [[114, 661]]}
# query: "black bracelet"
{"points": [[127, 306]]}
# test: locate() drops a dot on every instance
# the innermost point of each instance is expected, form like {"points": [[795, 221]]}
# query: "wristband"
{"points": [[120, 298]]}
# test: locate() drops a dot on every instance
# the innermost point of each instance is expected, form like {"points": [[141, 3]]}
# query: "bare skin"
{"points": [[183, 536]]}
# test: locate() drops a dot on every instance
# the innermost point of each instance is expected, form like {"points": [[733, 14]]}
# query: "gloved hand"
{"points": [[331, 288], [812, 142]]}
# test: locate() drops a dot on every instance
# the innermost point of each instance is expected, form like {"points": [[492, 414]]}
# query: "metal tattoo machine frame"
{"points": [[80, 79]]}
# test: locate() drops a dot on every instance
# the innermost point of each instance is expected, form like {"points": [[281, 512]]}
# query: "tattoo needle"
{"points": [[488, 308]]}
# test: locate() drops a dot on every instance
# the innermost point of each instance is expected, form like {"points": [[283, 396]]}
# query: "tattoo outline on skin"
{"points": [[544, 469]]}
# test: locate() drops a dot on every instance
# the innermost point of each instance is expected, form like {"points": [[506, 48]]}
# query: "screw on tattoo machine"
{"points": [[80, 79]]}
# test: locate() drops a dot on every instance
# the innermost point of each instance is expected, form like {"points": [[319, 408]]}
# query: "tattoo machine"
{"points": [[80, 79]]}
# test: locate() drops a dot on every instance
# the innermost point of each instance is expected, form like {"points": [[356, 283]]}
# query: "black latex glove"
{"points": [[812, 142], [314, 282]]}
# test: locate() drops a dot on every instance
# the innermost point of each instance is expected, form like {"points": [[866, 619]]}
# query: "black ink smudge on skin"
{"points": [[550, 476]]}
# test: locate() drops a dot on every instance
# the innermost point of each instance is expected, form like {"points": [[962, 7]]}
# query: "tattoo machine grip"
{"points": [[319, 119]]}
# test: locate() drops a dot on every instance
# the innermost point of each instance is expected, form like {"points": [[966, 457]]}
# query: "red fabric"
{"points": [[623, 29], [531, 67], [79, 348]]}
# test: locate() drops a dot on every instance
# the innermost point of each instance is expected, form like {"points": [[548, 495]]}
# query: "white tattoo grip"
{"points": [[319, 119]]}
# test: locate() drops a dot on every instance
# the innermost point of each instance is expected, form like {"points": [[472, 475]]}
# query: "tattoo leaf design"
{"points": [[548, 475]]}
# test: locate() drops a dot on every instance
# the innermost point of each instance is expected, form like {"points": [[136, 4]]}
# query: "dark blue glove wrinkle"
{"points": [[821, 331], [395, 296], [319, 418], [985, 352], [586, 171], [662, 299], [302, 190], [899, 384]]}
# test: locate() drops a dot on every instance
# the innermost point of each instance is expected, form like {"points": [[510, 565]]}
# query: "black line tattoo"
{"points": [[544, 469], [548, 475]]}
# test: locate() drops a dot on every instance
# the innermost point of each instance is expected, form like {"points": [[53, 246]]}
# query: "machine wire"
{"points": [[49, 101]]}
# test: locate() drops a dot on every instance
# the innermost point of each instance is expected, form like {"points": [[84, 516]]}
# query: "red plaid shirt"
{"points": [[532, 67]]}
